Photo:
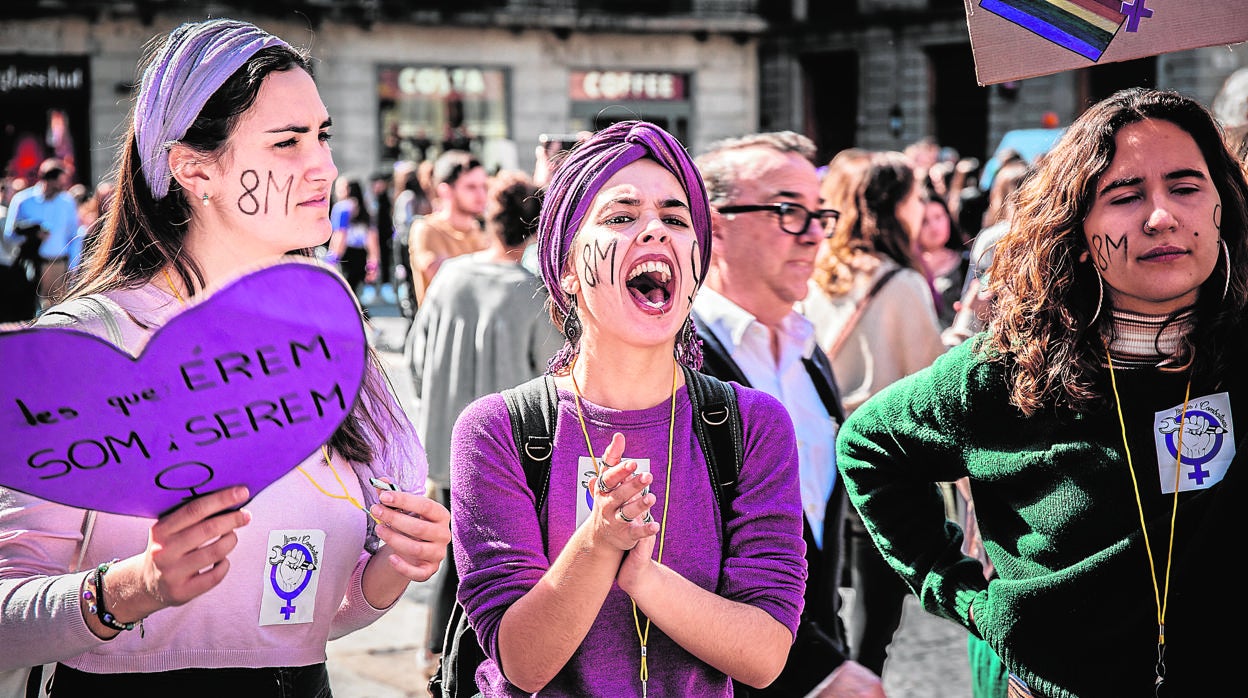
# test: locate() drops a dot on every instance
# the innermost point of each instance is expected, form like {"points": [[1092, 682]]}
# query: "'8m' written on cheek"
{"points": [[249, 202]]}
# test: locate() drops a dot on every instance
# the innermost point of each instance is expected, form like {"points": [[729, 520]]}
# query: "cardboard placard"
{"points": [[237, 389], [1016, 39]]}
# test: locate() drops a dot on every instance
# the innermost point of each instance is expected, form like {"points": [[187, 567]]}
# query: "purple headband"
{"points": [[582, 173], [191, 66]]}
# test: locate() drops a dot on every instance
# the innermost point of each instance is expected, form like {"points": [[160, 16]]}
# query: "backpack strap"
{"points": [[533, 407], [821, 375], [717, 424], [96, 306]]}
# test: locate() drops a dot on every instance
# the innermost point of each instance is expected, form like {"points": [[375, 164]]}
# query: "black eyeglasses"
{"points": [[794, 218]]}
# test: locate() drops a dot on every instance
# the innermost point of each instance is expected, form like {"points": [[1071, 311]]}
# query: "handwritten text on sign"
{"points": [[238, 389]]}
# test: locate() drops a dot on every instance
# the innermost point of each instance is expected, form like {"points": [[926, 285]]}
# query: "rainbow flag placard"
{"points": [[1083, 26], [1019, 39]]}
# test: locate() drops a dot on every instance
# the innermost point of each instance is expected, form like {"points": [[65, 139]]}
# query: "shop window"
{"points": [[427, 109]]}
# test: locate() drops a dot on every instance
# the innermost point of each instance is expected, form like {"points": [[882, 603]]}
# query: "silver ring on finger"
{"points": [[620, 513], [602, 487]]}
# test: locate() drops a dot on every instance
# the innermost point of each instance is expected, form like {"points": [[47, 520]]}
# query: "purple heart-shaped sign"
{"points": [[235, 390]]}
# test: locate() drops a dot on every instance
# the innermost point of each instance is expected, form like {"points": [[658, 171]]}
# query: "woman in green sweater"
{"points": [[1093, 418]]}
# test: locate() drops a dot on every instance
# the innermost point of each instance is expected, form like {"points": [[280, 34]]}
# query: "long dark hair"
{"points": [[1042, 319], [140, 235], [867, 199], [360, 214]]}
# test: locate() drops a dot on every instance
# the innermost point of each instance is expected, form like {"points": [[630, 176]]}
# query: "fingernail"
{"points": [[387, 497], [240, 493]]}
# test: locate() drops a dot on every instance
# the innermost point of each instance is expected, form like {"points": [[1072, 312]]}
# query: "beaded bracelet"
{"points": [[94, 596]]}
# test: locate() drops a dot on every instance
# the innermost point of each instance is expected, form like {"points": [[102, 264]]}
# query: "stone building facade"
{"points": [[403, 78]]}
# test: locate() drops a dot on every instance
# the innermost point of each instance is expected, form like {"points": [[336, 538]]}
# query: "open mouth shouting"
{"points": [[650, 285]]}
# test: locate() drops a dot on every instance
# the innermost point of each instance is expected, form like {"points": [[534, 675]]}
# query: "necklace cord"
{"points": [[172, 288], [643, 636], [346, 495], [1160, 598]]}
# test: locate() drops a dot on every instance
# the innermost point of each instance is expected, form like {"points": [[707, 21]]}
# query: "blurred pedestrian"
{"points": [[381, 206], [19, 297], [454, 227], [354, 244], [42, 220], [482, 328], [943, 251]]}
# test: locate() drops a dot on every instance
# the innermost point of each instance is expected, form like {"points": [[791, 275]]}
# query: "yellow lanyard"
{"points": [[642, 636], [346, 494], [1163, 596]]}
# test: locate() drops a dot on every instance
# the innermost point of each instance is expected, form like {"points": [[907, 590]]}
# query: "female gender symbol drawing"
{"points": [[286, 566]]}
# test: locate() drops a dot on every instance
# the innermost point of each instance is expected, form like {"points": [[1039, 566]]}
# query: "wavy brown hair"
{"points": [[866, 188], [1045, 327]]}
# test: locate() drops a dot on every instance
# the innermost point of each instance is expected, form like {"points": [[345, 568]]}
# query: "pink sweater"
{"points": [[40, 617]]}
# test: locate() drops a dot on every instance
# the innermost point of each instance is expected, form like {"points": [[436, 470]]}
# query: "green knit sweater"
{"points": [[1071, 610]]}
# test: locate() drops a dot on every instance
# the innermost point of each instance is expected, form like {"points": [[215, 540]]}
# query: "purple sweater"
{"points": [[498, 548]]}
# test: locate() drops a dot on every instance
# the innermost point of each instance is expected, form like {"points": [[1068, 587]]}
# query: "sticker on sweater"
{"points": [[1208, 440], [291, 577], [585, 498]]}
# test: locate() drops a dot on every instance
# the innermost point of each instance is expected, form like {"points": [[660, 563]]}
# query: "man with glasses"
{"points": [[766, 225]]}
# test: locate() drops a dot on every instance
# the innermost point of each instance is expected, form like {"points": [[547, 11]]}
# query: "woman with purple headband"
{"points": [[620, 583], [184, 605]]}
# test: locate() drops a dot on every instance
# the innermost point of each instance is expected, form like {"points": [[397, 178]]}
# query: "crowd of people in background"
{"points": [[46, 223]]}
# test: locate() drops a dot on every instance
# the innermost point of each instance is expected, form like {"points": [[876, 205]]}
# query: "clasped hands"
{"points": [[621, 514]]}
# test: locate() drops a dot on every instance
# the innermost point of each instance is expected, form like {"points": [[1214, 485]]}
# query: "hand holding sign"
{"points": [[236, 390]]}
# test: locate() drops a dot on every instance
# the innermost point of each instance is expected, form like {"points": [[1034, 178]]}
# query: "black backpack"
{"points": [[533, 408]]}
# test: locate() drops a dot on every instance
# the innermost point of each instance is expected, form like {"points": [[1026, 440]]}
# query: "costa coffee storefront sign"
{"points": [[612, 85]]}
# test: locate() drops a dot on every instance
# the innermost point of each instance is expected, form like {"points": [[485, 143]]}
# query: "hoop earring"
{"points": [[1100, 295], [1226, 254], [688, 350]]}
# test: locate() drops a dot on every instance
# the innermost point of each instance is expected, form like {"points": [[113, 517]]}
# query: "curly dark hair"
{"points": [[1046, 326], [512, 208]]}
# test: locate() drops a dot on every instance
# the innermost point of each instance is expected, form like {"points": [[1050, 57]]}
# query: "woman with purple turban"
{"points": [[621, 583], [233, 592]]}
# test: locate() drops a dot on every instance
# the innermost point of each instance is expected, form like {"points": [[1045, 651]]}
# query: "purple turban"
{"points": [[193, 63], [582, 173]]}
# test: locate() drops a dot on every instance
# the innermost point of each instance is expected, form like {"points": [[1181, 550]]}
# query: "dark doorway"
{"points": [[959, 106], [830, 101], [1100, 81]]}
